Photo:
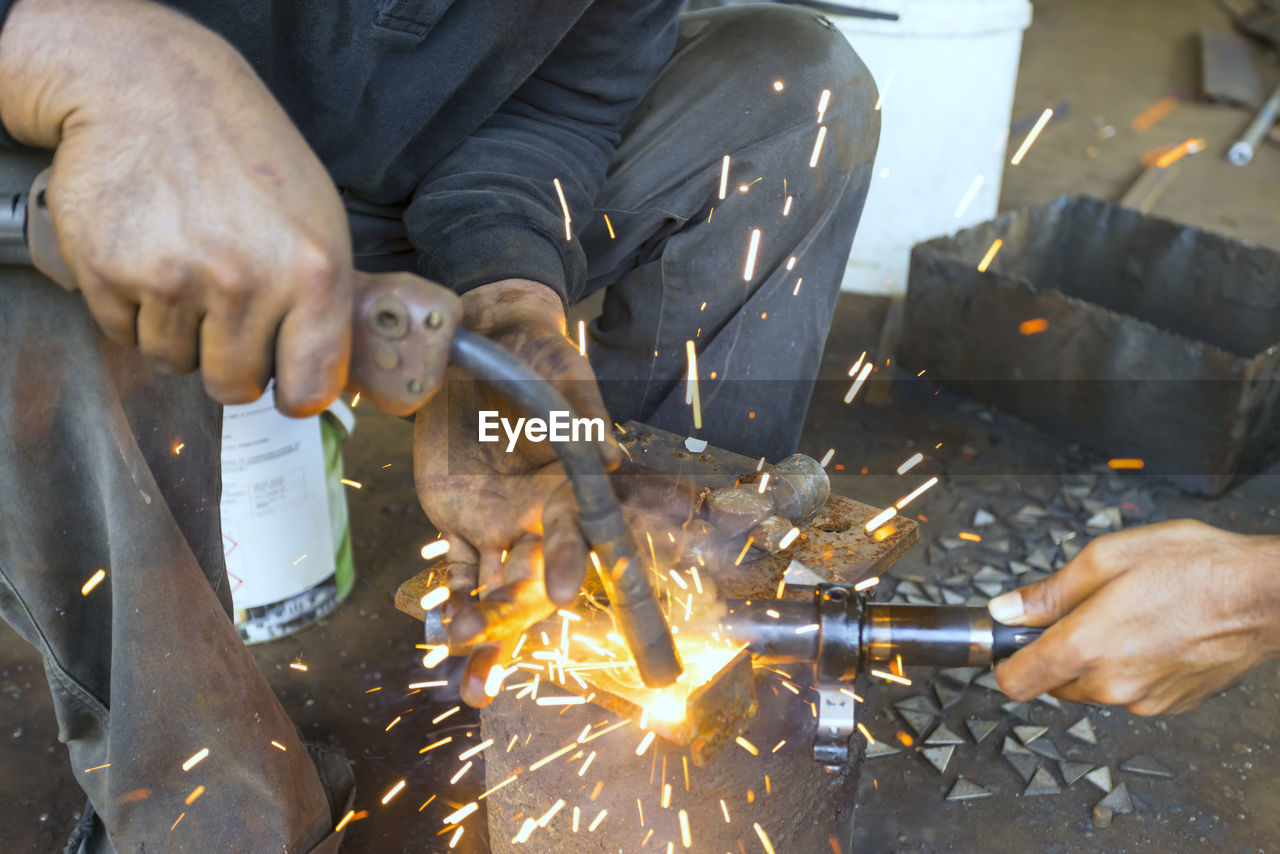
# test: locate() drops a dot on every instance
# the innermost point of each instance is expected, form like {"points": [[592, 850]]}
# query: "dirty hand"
{"points": [[1156, 618], [193, 215], [492, 502]]}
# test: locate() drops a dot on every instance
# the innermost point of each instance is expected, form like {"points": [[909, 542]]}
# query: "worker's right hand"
{"points": [[194, 217]]}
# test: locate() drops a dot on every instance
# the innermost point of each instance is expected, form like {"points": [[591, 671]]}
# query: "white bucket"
{"points": [[946, 71], [284, 516]]}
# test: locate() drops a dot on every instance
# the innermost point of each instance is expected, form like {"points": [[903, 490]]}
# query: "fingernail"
{"points": [[1007, 608]]}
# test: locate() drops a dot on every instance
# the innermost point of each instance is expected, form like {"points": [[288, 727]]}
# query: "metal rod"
{"points": [[1241, 151]]}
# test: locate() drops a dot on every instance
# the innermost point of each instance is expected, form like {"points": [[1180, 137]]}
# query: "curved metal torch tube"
{"points": [[631, 598]]}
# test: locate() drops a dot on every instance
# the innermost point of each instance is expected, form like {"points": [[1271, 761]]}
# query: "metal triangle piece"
{"points": [[965, 790], [1083, 730], [939, 757], [1027, 734], [990, 573], [1024, 765], [1018, 710], [1042, 783], [1045, 748], [980, 729], [947, 696], [1011, 746], [1143, 764], [1072, 771], [880, 748], [988, 680], [960, 675], [1118, 800], [1017, 567], [918, 721], [917, 703], [990, 589], [943, 735], [1050, 701], [950, 597], [1100, 777], [1039, 560], [982, 518]]}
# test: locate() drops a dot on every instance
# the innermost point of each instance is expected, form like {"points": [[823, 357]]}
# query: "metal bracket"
{"points": [[836, 724]]}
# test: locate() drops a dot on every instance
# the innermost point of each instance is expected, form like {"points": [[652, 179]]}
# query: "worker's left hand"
{"points": [[510, 517], [1157, 618]]}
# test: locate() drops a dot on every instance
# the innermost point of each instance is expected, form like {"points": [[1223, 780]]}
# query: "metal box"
{"points": [[1159, 341]]}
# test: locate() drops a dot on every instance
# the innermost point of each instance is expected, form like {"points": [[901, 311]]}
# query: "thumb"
{"points": [[1043, 602]]}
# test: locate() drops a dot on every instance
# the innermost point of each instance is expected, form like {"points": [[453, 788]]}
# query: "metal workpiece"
{"points": [[799, 486], [936, 635], [837, 720], [842, 634]]}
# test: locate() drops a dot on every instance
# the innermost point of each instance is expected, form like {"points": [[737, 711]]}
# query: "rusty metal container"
{"points": [[1149, 339]]}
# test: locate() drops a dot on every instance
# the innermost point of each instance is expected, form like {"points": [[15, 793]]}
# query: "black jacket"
{"points": [[464, 110]]}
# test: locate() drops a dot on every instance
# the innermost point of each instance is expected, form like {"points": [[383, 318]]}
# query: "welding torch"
{"points": [[405, 333]]}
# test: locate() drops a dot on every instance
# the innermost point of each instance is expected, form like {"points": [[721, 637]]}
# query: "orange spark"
{"points": [[435, 549], [352, 483], [564, 206], [1154, 113], [94, 581], [392, 792], [1031, 137], [1122, 463], [433, 745], [764, 837], [990, 256], [890, 677], [749, 269], [1034, 326], [970, 536], [196, 759], [747, 746]]}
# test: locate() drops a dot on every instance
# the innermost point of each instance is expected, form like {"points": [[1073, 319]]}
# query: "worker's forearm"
{"points": [[65, 61]]}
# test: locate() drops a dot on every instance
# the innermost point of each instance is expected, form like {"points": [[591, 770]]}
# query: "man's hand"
{"points": [[196, 220], [1157, 618], [510, 517]]}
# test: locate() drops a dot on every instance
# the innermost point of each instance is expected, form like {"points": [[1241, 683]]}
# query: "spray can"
{"points": [[285, 529]]}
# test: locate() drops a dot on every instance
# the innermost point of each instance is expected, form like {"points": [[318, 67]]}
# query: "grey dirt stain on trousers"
{"points": [[147, 669]]}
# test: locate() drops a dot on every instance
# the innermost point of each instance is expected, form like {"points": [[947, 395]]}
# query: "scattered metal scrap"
{"points": [[952, 715]]}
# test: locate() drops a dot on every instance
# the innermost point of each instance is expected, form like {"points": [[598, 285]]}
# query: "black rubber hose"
{"points": [[625, 576]]}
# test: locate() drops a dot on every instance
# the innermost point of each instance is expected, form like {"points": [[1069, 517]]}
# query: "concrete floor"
{"points": [[1111, 61]]}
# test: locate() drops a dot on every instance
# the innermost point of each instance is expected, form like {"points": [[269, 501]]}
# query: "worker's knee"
{"points": [[779, 60]]}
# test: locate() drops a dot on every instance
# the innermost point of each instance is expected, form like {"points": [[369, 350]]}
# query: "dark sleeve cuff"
{"points": [[472, 254]]}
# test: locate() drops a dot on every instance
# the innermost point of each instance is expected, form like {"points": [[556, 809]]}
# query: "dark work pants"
{"points": [[147, 669]]}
